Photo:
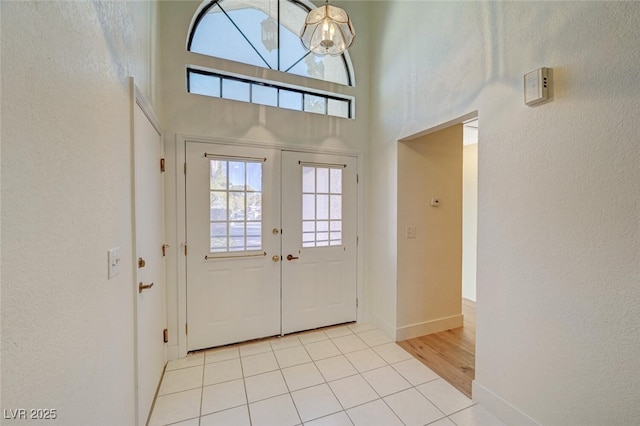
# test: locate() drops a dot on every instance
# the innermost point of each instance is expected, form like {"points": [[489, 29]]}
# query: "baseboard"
{"points": [[499, 407], [428, 327]]}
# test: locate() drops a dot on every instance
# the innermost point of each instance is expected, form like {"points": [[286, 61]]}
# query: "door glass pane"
{"points": [[321, 206], [308, 207], [235, 209], [218, 174], [323, 180], [308, 179]]}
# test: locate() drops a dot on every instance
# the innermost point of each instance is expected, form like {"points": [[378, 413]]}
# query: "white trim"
{"points": [[147, 109], [500, 408], [428, 327], [384, 326], [181, 264], [460, 120]]}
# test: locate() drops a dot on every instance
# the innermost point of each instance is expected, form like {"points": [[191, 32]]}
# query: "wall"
{"points": [[67, 331], [202, 116], [558, 311], [430, 265], [469, 213]]}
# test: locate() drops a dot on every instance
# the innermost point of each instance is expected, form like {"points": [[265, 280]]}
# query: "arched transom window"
{"points": [[264, 33]]}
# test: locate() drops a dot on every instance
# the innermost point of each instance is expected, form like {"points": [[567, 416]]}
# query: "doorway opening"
{"points": [[437, 234]]}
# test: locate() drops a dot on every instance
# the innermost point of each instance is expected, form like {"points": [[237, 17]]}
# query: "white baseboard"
{"points": [[500, 408], [428, 327]]}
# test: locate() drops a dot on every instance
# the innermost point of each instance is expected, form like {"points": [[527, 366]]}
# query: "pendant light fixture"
{"points": [[327, 30]]}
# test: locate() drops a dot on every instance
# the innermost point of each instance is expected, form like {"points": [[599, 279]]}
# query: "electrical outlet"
{"points": [[113, 257], [411, 231]]}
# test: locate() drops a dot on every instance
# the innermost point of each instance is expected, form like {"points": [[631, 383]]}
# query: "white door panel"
{"points": [[319, 280], [233, 282], [149, 235]]}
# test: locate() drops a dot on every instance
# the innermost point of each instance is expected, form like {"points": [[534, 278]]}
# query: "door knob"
{"points": [[291, 257], [144, 287], [141, 262], [275, 258]]}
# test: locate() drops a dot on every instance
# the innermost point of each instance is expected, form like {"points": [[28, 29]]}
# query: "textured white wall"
{"points": [[559, 219], [187, 114], [67, 331]]}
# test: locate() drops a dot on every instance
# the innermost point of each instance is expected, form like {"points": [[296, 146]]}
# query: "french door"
{"points": [[271, 239]]}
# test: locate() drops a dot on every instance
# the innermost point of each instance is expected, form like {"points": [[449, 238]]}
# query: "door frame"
{"points": [[179, 298]]}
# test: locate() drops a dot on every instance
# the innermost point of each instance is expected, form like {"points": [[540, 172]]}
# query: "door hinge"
{"points": [[185, 168], [357, 302], [185, 249], [186, 328], [164, 249], [162, 165], [357, 178], [357, 241], [165, 335]]}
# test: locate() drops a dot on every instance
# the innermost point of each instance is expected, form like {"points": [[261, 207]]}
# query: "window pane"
{"points": [[218, 205], [308, 179], [236, 175], [236, 90], [249, 20], [322, 239], [290, 100], [264, 95], [308, 207], [254, 206], [217, 36], [201, 84], [323, 180], [322, 208], [336, 238], [254, 177], [236, 206], [254, 235], [323, 226], [218, 174], [336, 225], [315, 104], [308, 226], [336, 207], [292, 18], [338, 108], [335, 181], [218, 235]]}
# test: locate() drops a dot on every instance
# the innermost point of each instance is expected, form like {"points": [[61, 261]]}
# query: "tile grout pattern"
{"points": [[349, 375]]}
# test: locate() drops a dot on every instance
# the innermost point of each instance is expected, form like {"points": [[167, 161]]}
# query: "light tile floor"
{"points": [[345, 375]]}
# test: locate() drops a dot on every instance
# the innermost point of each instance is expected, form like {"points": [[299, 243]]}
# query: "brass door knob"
{"points": [[276, 258], [144, 287]]}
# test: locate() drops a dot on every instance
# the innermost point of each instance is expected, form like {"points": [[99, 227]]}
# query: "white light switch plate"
{"points": [[114, 261], [411, 231]]}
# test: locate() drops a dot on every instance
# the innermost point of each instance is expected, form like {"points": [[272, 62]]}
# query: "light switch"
{"points": [[113, 258], [411, 231]]}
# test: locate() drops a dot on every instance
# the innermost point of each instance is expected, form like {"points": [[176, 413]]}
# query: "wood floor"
{"points": [[451, 353]]}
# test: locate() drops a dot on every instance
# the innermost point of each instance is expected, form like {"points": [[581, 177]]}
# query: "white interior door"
{"points": [[150, 283], [233, 240], [319, 240]]}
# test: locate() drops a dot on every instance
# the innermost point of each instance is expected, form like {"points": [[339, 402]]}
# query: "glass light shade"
{"points": [[327, 30], [270, 33]]}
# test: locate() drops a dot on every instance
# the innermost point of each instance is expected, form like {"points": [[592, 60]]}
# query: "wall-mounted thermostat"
{"points": [[536, 86]]}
